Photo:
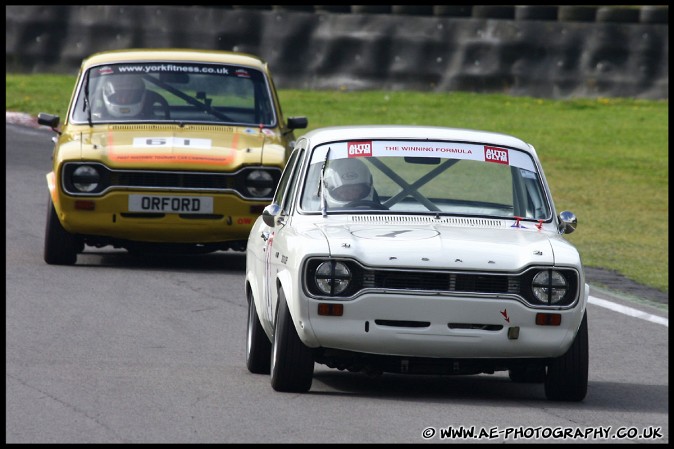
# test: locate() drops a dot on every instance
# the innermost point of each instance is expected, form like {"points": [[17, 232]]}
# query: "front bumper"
{"points": [[231, 220], [440, 326]]}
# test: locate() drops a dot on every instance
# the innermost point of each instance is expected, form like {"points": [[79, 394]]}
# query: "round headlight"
{"points": [[86, 178], [549, 286], [332, 277], [260, 183]]}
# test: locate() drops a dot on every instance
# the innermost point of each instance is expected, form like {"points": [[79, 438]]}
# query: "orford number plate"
{"points": [[171, 204]]}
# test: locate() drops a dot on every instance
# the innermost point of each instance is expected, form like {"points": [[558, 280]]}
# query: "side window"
{"points": [[529, 199], [285, 177], [294, 182]]}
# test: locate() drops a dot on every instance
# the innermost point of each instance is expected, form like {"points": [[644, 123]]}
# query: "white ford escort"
{"points": [[420, 250]]}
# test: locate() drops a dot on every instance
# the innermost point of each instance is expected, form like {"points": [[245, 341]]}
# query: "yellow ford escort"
{"points": [[165, 149]]}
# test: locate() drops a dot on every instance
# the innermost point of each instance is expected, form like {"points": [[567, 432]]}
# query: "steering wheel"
{"points": [[161, 101], [366, 203]]}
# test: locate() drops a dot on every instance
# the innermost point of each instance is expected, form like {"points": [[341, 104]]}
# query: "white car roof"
{"points": [[373, 132]]}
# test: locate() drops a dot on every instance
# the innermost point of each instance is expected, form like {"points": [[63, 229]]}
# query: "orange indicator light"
{"points": [[548, 319], [85, 205], [330, 309]]}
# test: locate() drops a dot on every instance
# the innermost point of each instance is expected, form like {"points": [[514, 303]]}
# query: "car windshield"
{"points": [[174, 92], [417, 177]]}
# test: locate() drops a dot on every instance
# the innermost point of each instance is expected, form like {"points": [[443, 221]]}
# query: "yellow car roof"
{"points": [[174, 54]]}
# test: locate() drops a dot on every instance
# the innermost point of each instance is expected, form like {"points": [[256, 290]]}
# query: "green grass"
{"points": [[605, 159]]}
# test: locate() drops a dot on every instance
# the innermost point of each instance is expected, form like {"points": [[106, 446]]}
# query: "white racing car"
{"points": [[420, 250]]}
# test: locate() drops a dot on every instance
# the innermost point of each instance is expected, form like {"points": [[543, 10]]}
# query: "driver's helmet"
{"points": [[346, 181], [123, 95]]}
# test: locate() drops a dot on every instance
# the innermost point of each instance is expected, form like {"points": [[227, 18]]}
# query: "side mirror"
{"points": [[567, 222], [270, 213], [48, 120], [297, 122]]}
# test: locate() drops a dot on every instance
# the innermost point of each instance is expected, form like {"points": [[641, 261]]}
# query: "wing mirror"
{"points": [[297, 122], [567, 222], [270, 214], [49, 120]]}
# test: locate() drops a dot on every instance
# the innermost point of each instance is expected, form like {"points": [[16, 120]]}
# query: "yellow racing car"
{"points": [[165, 150]]}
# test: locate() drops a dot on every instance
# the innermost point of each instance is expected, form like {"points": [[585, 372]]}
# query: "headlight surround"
{"points": [[86, 178], [332, 278], [550, 286], [260, 183]]}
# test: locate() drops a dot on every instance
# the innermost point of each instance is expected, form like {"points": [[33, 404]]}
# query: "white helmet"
{"points": [[347, 180], [123, 95]]}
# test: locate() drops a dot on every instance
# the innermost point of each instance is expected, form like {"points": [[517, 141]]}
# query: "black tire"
{"points": [[566, 378], [258, 346], [292, 365], [60, 246], [534, 374]]}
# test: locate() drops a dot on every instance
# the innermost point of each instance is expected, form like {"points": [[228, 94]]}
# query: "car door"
{"points": [[273, 234]]}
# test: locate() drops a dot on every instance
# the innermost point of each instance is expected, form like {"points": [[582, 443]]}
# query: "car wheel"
{"points": [[258, 346], [292, 365], [527, 374], [566, 379], [60, 246]]}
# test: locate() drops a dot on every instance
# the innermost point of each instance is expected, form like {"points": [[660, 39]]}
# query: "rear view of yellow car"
{"points": [[166, 150]]}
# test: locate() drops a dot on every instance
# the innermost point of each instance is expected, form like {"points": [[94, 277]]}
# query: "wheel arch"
{"points": [[297, 306]]}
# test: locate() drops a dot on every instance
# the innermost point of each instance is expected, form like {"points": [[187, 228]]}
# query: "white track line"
{"points": [[629, 311]]}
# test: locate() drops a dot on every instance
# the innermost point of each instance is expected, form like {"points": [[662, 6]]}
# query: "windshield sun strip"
{"points": [[85, 79]]}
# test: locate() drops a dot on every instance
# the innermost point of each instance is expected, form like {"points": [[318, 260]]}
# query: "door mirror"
{"points": [[270, 213]]}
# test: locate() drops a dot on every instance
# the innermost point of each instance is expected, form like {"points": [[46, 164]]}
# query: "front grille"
{"points": [[176, 181], [483, 284], [437, 281], [411, 281], [197, 181]]}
